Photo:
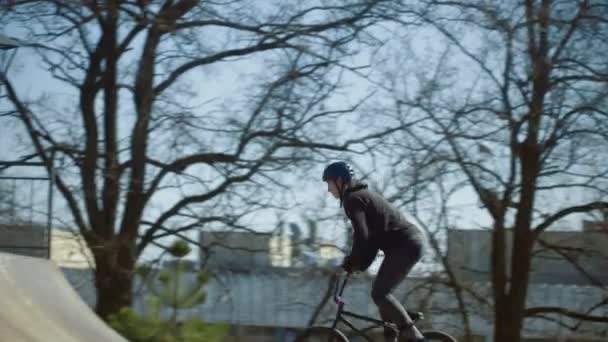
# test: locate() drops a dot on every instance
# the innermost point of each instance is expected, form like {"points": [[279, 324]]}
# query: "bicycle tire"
{"points": [[321, 334], [438, 336]]}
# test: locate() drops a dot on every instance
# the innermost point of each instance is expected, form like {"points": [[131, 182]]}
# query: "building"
{"points": [[271, 303], [556, 279], [274, 304], [266, 303], [67, 247], [559, 256], [69, 250], [235, 249], [27, 239], [243, 250]]}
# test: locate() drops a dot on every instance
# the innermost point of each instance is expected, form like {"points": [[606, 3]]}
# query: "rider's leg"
{"points": [[396, 265]]}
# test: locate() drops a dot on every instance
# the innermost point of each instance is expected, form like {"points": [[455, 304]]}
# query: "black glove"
{"points": [[347, 265]]}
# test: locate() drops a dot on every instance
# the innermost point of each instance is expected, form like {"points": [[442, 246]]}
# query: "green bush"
{"points": [[137, 328], [168, 291]]}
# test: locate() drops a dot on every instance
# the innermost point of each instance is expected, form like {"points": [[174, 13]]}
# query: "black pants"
{"points": [[397, 263]]}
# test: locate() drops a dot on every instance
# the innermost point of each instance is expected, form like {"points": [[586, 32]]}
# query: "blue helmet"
{"points": [[338, 170]]}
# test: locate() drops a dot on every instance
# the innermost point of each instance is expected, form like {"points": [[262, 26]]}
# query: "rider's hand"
{"points": [[347, 265]]}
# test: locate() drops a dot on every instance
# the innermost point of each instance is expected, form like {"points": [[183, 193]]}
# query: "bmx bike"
{"points": [[333, 334]]}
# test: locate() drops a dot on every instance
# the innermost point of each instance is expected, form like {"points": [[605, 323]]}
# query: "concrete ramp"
{"points": [[38, 304]]}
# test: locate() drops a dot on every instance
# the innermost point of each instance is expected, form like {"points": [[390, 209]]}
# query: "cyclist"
{"points": [[377, 225]]}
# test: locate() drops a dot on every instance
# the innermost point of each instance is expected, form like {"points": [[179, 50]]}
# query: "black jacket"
{"points": [[376, 225]]}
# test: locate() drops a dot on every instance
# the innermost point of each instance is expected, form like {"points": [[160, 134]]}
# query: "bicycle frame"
{"points": [[342, 312]]}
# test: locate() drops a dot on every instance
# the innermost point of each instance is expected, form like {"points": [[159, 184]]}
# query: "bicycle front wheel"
{"points": [[321, 334], [437, 336]]}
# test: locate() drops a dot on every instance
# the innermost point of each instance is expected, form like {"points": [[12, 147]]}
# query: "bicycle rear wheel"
{"points": [[438, 336], [321, 334]]}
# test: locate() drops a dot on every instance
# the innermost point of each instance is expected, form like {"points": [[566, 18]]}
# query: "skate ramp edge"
{"points": [[38, 304]]}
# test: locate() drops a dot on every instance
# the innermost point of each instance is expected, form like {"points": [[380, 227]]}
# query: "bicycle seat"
{"points": [[415, 316]]}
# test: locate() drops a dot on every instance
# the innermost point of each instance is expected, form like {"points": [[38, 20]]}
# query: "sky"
{"points": [[220, 82]]}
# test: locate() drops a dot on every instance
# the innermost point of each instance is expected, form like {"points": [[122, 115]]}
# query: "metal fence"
{"points": [[26, 208]]}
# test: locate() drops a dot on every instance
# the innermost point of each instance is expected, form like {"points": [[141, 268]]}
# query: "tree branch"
{"points": [[539, 311], [568, 211], [181, 164], [24, 115], [184, 202]]}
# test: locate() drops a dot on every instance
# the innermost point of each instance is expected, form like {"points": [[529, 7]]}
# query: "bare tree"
{"points": [[134, 152], [514, 108]]}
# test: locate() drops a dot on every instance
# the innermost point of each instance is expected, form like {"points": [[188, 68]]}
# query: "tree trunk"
{"points": [[510, 313], [507, 325], [114, 279], [510, 306]]}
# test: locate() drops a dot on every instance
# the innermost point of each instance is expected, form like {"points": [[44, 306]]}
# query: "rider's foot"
{"points": [[411, 334], [390, 334]]}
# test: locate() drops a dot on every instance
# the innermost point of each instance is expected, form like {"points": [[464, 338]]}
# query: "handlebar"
{"points": [[339, 289]]}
